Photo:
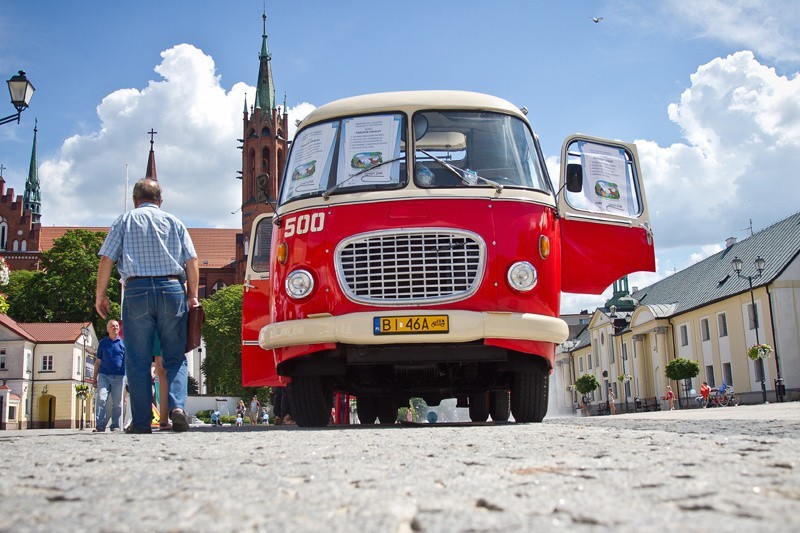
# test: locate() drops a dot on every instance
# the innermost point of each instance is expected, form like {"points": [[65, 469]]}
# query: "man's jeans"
{"points": [[154, 306], [109, 398]]}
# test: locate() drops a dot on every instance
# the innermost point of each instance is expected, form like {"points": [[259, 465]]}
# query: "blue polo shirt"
{"points": [[112, 357]]}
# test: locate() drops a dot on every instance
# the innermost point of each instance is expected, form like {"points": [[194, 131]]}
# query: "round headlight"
{"points": [[522, 276], [299, 284]]}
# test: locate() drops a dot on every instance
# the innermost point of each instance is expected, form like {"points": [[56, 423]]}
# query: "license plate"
{"points": [[400, 325]]}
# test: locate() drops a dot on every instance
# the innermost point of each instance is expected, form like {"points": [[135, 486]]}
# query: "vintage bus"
{"points": [[419, 249]]}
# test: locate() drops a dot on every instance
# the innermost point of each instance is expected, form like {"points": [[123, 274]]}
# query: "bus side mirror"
{"points": [[574, 177]]}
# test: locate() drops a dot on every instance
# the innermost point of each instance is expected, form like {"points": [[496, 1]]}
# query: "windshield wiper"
{"points": [[334, 188], [461, 173]]}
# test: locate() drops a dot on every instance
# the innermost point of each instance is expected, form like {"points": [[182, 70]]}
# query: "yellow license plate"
{"points": [[400, 325]]}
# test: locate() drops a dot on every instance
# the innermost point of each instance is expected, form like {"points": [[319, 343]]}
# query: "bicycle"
{"points": [[722, 400]]}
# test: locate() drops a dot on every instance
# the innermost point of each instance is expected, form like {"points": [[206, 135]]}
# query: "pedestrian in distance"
{"points": [[109, 379], [239, 420], [158, 264], [255, 409], [265, 415], [670, 397], [705, 393], [612, 398]]}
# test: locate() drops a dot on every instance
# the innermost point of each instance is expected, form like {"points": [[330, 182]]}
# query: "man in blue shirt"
{"points": [[109, 379], [155, 256]]}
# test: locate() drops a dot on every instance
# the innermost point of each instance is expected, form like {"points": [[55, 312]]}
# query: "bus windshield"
{"points": [[352, 154], [475, 149]]}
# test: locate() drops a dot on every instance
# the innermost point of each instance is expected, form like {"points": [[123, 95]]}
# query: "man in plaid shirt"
{"points": [[155, 257]]}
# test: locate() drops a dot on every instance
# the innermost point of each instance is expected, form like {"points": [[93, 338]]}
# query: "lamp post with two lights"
{"points": [[759, 263]]}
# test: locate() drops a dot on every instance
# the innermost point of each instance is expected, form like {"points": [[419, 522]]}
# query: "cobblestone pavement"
{"points": [[724, 469]]}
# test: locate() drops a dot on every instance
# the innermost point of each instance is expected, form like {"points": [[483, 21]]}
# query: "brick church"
{"points": [[221, 252]]}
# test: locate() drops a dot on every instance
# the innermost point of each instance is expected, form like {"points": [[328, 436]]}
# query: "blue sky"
{"points": [[707, 89]]}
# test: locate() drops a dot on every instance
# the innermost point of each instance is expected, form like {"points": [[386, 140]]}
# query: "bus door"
{"points": [[258, 365], [605, 225]]}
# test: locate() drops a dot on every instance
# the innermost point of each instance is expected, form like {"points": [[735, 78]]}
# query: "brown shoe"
{"points": [[179, 421]]}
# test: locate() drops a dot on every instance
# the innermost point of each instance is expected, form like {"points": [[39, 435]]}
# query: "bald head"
{"points": [[146, 190]]}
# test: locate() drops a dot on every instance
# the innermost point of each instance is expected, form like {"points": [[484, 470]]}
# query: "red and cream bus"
{"points": [[419, 249]]}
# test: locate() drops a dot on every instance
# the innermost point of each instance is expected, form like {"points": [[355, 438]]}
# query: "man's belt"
{"points": [[132, 278]]}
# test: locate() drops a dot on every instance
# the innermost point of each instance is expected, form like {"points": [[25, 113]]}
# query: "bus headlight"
{"points": [[299, 284], [522, 276]]}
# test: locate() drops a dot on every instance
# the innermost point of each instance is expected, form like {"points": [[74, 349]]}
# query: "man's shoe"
{"points": [[131, 430], [179, 421], [95, 430]]}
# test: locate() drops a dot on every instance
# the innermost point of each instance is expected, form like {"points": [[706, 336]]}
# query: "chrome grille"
{"points": [[410, 267]]}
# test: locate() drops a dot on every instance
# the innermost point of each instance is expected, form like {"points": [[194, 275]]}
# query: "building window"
{"points": [[751, 316], [3, 234], [722, 325], [589, 359], [12, 412], [684, 336], [2, 358], [612, 356], [705, 331], [47, 363], [624, 351], [580, 364], [710, 376], [727, 374]]}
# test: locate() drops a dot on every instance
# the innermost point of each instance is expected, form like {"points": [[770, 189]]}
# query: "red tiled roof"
{"points": [[16, 327], [215, 247], [54, 333]]}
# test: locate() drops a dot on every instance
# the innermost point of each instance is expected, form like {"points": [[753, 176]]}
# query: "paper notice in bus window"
{"points": [[311, 160], [365, 143], [605, 181]]}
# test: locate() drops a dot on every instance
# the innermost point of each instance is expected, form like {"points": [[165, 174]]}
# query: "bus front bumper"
{"points": [[464, 326]]}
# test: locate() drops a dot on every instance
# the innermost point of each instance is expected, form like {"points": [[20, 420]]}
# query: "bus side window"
{"points": [[263, 243]]}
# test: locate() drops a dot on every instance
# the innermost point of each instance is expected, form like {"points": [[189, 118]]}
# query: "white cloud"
{"points": [[197, 121], [769, 27]]}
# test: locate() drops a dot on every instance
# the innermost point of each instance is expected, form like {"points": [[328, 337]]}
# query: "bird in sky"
{"points": [[596, 19]]}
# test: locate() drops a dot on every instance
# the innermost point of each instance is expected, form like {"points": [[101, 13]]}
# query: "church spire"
{"points": [[32, 200], [151, 159], [265, 89]]}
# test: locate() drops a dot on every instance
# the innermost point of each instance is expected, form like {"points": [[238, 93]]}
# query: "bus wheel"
{"points": [[500, 406], [309, 400], [479, 407], [367, 409], [529, 396], [387, 412]]}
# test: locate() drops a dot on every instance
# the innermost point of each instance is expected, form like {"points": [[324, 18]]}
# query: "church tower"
{"points": [[32, 200], [264, 146]]}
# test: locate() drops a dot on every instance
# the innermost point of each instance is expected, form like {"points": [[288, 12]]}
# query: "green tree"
{"points": [[586, 383], [222, 333], [683, 369], [63, 291]]}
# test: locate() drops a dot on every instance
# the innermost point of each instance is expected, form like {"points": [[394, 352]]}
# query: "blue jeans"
{"points": [[109, 398], [154, 306]]}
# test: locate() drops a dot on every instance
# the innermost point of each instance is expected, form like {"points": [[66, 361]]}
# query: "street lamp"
{"points": [[85, 333], [21, 91], [759, 263]]}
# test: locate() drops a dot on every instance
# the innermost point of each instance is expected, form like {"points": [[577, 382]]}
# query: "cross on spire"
{"points": [[152, 133], [151, 158]]}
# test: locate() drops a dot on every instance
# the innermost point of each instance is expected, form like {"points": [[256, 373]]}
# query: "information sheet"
{"points": [[311, 161], [605, 183], [366, 142]]}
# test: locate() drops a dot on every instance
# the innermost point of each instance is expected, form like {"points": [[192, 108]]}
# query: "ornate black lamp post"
{"points": [[759, 263], [21, 91]]}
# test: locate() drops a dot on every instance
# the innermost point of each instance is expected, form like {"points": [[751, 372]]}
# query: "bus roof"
{"points": [[409, 101]]}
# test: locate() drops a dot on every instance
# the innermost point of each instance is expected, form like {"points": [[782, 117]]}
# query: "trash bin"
{"points": [[780, 389]]}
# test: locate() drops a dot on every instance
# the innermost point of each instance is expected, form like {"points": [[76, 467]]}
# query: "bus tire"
{"points": [[529, 396], [367, 409], [479, 407], [500, 405], [387, 412], [309, 400]]}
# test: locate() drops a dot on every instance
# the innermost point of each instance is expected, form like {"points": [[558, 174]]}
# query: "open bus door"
{"points": [[258, 365], [605, 225]]}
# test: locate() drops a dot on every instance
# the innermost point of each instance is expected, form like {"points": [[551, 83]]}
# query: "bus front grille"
{"points": [[416, 266]]}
